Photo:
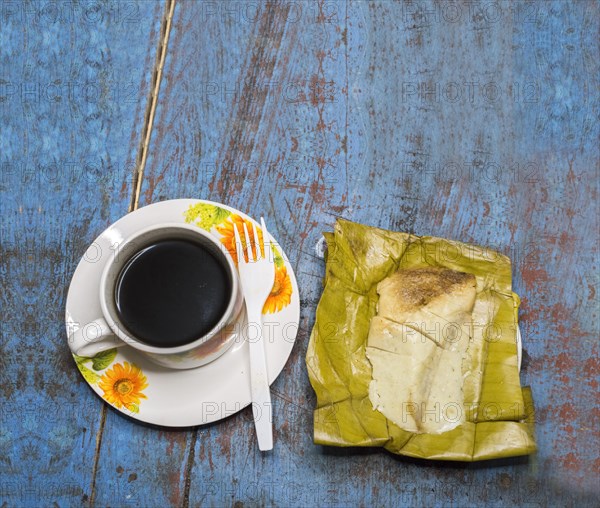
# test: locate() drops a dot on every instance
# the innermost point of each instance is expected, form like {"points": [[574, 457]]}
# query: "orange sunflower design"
{"points": [[123, 385], [228, 240], [281, 294]]}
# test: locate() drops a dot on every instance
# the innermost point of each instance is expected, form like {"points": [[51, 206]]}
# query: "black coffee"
{"points": [[172, 293]]}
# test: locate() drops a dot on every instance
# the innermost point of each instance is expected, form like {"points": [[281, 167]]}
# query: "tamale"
{"points": [[495, 418]]}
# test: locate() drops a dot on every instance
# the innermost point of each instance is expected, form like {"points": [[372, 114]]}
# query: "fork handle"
{"points": [[259, 381]]}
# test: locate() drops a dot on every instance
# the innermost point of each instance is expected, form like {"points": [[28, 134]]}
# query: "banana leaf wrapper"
{"points": [[499, 411]]}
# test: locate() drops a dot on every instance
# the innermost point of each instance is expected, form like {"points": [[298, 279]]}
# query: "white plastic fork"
{"points": [[257, 277]]}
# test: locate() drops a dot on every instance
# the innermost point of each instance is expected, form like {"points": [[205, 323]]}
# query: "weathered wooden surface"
{"points": [[73, 84], [476, 121]]}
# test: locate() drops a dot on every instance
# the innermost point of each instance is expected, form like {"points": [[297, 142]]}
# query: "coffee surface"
{"points": [[172, 293]]}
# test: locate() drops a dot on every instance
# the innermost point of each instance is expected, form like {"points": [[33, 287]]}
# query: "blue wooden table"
{"points": [[476, 121]]}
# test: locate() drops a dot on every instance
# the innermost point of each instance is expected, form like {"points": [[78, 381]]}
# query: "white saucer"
{"points": [[177, 398]]}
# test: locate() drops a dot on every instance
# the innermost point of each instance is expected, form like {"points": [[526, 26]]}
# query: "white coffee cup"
{"points": [[108, 331]]}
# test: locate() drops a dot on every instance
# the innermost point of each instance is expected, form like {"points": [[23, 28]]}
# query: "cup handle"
{"points": [[93, 338]]}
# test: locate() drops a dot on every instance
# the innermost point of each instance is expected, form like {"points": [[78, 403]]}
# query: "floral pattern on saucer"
{"points": [[122, 384], [221, 222], [179, 398]]}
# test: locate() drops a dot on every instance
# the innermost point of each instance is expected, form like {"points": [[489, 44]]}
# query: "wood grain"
{"points": [[74, 82], [446, 123], [476, 121]]}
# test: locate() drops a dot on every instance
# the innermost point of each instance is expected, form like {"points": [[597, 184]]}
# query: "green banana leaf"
{"points": [[499, 411]]}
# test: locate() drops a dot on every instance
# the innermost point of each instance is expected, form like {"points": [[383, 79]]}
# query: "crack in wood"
{"points": [[97, 454], [142, 155], [188, 470], [161, 55]]}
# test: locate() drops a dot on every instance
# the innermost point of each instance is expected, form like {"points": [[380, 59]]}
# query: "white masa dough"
{"points": [[417, 344]]}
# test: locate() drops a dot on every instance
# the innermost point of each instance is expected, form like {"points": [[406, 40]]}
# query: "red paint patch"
{"points": [[567, 240], [486, 208], [338, 209], [564, 362], [571, 462], [528, 313], [560, 312], [591, 367], [567, 412], [534, 275], [174, 480], [317, 193]]}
